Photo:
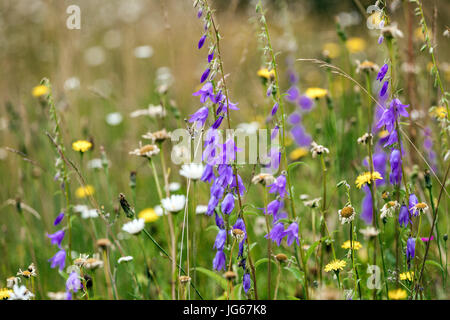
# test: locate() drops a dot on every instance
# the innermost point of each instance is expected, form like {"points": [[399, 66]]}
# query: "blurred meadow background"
{"points": [[129, 55]]}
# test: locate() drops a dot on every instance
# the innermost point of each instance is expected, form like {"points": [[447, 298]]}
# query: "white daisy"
{"points": [[174, 186], [346, 214], [388, 209], [192, 171], [201, 209], [419, 208], [175, 203], [134, 227], [20, 293], [125, 259]]}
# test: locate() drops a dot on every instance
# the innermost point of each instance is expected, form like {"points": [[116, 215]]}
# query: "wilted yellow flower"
{"points": [[366, 177], [407, 276], [335, 265], [331, 50], [83, 192], [355, 44], [316, 93], [5, 294], [149, 215], [81, 145], [39, 91], [265, 73], [356, 245], [298, 153], [397, 294]]}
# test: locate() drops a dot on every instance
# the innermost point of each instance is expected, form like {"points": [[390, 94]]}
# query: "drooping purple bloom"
{"points": [[201, 42], [280, 215], [411, 203], [229, 150], [220, 239], [246, 282], [391, 114], [225, 105], [200, 116], [225, 177], [300, 136], [380, 39], [57, 237], [212, 204], [382, 72], [367, 209], [219, 221], [216, 99], [217, 123], [274, 109], [240, 185], [219, 261], [205, 75], [217, 190], [292, 94], [228, 204], [274, 132], [294, 118], [305, 102], [207, 91], [208, 174], [58, 219], [59, 259], [199, 13], [396, 167], [403, 216], [292, 234], [73, 284], [410, 250], [384, 88], [274, 207], [276, 234], [279, 186], [275, 158], [210, 57]]}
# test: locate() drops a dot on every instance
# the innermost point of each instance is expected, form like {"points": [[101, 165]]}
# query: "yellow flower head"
{"points": [[83, 192], [5, 294], [440, 112], [40, 91], [316, 93], [149, 215], [331, 50], [355, 44], [266, 74], [356, 245], [298, 153], [81, 145], [398, 294], [335, 265], [407, 276], [368, 178]]}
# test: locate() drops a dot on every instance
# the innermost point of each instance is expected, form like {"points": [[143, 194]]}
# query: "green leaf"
{"points": [[312, 247], [263, 260], [297, 273], [434, 263], [214, 276]]}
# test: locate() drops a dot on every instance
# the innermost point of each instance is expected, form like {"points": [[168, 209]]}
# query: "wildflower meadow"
{"points": [[224, 150]]}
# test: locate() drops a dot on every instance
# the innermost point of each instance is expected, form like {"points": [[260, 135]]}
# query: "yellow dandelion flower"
{"points": [[149, 215], [81, 145], [407, 276], [440, 112], [83, 192], [356, 245], [335, 265], [298, 153], [5, 294], [398, 294], [39, 91], [366, 177], [316, 93], [266, 74], [331, 50], [355, 44]]}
